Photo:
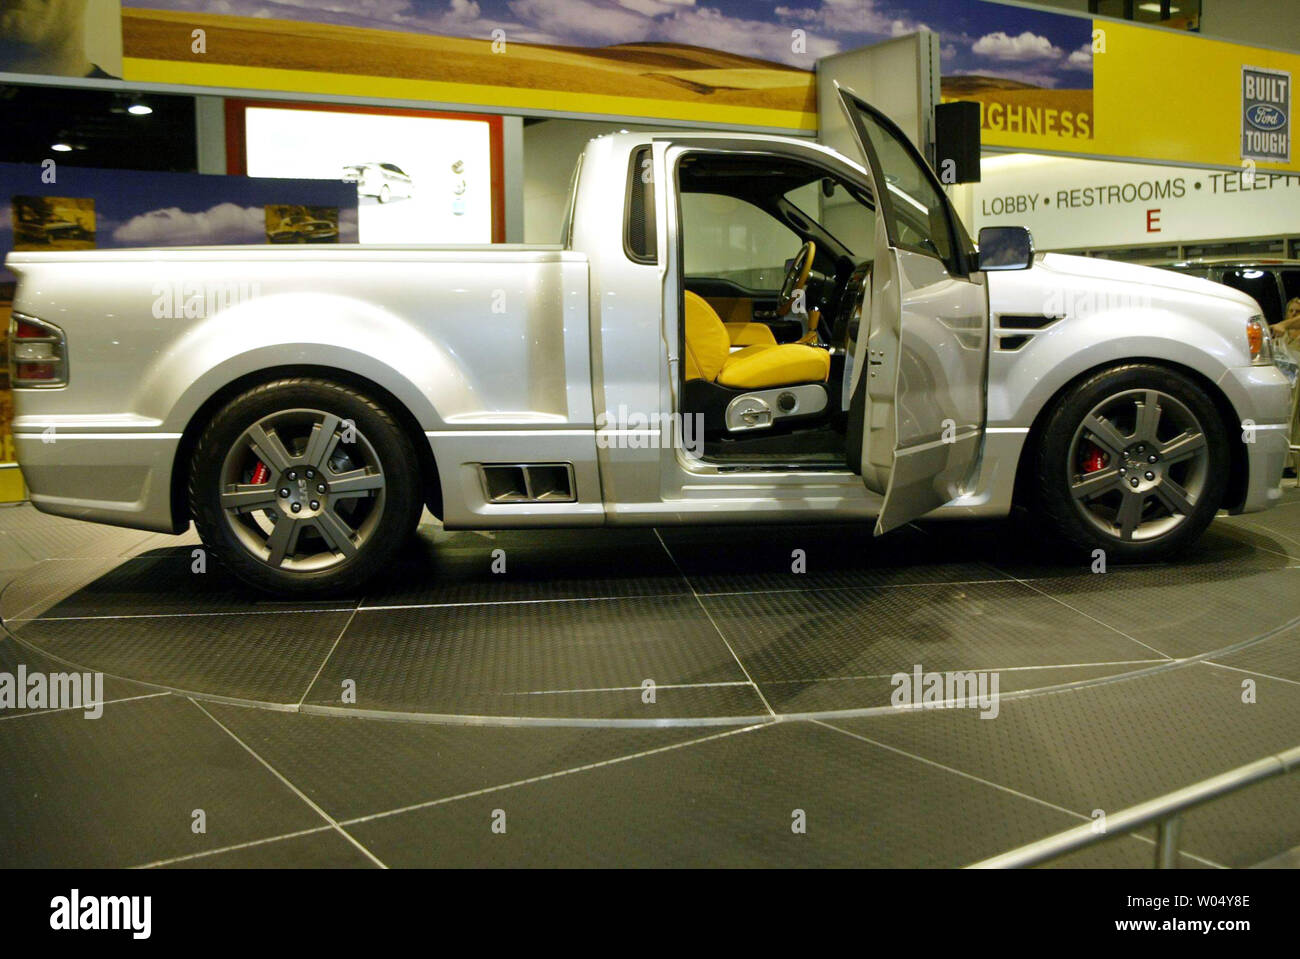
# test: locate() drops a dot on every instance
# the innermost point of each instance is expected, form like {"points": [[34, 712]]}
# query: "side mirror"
{"points": [[1006, 248]]}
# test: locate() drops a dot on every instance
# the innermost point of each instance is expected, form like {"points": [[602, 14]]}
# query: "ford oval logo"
{"points": [[1264, 117]]}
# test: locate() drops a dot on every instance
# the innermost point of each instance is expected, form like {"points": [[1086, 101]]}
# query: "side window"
{"points": [[731, 239], [917, 209], [639, 238], [1260, 284]]}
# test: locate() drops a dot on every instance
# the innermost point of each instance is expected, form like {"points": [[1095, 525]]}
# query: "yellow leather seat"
{"points": [[709, 356], [761, 367], [750, 334]]}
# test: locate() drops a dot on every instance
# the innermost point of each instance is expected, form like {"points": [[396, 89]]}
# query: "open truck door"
{"points": [[920, 354]]}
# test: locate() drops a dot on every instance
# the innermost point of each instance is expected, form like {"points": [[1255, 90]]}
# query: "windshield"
{"points": [[846, 214]]}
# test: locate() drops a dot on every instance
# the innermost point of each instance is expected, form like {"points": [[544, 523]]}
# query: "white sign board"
{"points": [[419, 179], [1073, 204]]}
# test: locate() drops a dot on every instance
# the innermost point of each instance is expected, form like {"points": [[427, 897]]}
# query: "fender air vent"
{"points": [[528, 482], [1008, 321]]}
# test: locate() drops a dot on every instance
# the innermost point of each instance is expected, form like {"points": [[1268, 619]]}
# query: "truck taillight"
{"points": [[38, 353]]}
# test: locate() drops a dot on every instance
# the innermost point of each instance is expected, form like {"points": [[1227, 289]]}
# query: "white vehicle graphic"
{"points": [[386, 181]]}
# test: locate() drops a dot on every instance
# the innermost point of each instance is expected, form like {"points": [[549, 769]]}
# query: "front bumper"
{"points": [[1261, 395], [1265, 459]]}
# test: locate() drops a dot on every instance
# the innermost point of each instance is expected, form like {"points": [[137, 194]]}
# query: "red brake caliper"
{"points": [[1094, 458], [260, 473]]}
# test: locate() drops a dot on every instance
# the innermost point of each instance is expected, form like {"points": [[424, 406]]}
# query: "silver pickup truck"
{"points": [[734, 329]]}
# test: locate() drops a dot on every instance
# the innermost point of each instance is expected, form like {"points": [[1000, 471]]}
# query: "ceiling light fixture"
{"points": [[138, 109], [61, 147]]}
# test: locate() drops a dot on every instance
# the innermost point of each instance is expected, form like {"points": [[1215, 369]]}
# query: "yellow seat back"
{"points": [[707, 342]]}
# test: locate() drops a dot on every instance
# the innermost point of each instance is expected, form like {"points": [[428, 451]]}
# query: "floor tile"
{"points": [[727, 802], [121, 790]]}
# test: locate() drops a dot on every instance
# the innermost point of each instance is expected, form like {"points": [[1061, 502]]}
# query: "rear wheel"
{"points": [[1134, 460], [304, 486]]}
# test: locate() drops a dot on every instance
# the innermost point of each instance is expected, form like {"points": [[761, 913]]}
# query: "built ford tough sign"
{"points": [[734, 329]]}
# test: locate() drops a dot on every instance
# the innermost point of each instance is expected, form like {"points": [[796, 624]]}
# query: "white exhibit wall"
{"points": [[1071, 204]]}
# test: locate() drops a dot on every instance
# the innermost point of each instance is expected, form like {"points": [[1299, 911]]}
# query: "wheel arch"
{"points": [[1235, 493], [430, 485]]}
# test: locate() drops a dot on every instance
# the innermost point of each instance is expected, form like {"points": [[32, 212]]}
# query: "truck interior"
{"points": [[775, 255]]}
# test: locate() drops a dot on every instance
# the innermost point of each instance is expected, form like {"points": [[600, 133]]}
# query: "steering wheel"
{"points": [[796, 278]]}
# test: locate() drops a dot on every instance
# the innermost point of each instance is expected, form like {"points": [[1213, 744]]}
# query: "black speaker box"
{"points": [[957, 139]]}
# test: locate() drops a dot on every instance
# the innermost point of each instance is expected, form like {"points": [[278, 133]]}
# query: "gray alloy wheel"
{"points": [[305, 486], [1138, 465], [320, 495], [1134, 459]]}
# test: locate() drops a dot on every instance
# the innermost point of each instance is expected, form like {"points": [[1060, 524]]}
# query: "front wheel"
{"points": [[304, 486], [1134, 460]]}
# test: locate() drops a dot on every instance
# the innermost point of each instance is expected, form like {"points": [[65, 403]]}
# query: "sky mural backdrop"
{"points": [[1039, 48]]}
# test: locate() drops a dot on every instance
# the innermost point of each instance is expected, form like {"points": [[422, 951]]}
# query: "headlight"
{"points": [[1260, 340]]}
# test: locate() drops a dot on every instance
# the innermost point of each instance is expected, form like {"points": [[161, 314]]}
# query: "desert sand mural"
{"points": [[728, 60]]}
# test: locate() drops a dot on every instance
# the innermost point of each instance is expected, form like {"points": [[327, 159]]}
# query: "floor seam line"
{"points": [[328, 656], [704, 609], [48, 594], [950, 769], [81, 709], [988, 782], [1094, 619], [298, 792], [1252, 672], [587, 767], [232, 848], [175, 615]]}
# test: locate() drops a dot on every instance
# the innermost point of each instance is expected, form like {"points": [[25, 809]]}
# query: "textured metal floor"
{"points": [[524, 692]]}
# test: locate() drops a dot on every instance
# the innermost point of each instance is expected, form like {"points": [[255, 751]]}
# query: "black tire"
{"points": [[398, 510], [1056, 475]]}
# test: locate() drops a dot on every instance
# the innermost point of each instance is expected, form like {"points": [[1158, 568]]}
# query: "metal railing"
{"points": [[1166, 812]]}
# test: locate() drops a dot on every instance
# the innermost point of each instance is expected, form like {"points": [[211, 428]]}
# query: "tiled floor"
{"points": [[641, 697]]}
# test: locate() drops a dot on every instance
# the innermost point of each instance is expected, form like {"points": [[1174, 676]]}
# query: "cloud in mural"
{"points": [[1080, 59], [655, 8], [586, 20], [1026, 48], [755, 38], [449, 17], [223, 223], [349, 225], [851, 16]]}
